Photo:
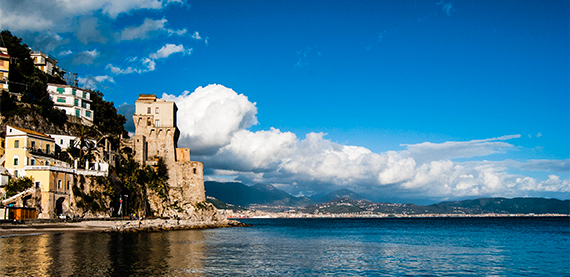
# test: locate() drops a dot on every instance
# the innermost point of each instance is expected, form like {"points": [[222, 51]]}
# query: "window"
{"points": [[33, 162], [194, 171], [47, 148], [38, 185], [60, 100], [33, 145], [47, 163], [77, 112], [60, 90], [61, 141], [15, 160], [16, 173], [87, 113], [67, 185], [157, 123], [59, 184], [148, 110], [17, 144], [84, 95], [156, 110], [76, 102], [73, 92]]}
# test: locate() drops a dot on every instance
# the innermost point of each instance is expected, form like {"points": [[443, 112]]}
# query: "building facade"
{"points": [[156, 136], [32, 154], [46, 63], [73, 100], [4, 68]]}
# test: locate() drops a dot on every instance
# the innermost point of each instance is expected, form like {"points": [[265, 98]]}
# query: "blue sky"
{"points": [[400, 100]]}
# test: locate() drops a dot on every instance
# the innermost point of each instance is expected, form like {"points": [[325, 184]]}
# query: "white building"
{"points": [[46, 63], [73, 100]]}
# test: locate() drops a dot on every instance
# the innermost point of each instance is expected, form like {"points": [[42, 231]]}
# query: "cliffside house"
{"points": [[46, 63], [4, 68], [73, 100]]}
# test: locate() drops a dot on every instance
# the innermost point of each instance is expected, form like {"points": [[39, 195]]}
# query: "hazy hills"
{"points": [[346, 201]]}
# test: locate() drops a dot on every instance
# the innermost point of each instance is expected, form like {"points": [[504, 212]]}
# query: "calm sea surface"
{"points": [[305, 247]]}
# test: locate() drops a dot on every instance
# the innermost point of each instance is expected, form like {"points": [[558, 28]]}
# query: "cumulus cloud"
{"points": [[214, 122], [86, 57], [168, 50], [210, 116]]}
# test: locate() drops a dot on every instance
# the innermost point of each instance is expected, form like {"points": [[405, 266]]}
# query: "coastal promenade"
{"points": [[108, 225]]}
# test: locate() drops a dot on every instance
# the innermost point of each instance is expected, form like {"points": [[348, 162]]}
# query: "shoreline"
{"points": [[9, 229]]}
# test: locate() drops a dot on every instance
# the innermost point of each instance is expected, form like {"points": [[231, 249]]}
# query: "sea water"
{"points": [[305, 247]]}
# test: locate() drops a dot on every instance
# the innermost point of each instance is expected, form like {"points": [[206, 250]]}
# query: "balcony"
{"points": [[40, 152]]}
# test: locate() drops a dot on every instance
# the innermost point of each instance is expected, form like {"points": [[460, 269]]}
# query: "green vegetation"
{"points": [[17, 185], [107, 120]]}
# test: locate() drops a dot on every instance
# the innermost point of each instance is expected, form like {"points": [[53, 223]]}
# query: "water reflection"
{"points": [[98, 254]]}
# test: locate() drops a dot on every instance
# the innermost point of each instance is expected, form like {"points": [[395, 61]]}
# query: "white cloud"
{"points": [[93, 82], [196, 35], [88, 32], [39, 15], [427, 151], [143, 31], [149, 27], [86, 57], [65, 53], [210, 116], [143, 65], [168, 50], [214, 122]]}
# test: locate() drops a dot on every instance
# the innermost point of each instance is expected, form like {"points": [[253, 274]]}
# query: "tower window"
{"points": [[156, 110], [17, 144], [148, 110]]}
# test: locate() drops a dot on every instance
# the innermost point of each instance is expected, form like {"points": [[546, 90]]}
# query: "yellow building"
{"points": [[30, 153], [4, 68]]}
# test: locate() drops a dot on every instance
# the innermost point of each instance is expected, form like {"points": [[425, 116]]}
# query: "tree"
{"points": [[106, 118], [17, 185]]}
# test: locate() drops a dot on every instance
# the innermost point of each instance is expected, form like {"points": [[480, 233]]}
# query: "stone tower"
{"points": [[156, 136]]}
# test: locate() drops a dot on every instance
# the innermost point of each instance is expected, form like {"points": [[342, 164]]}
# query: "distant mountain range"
{"points": [[347, 201], [260, 194]]}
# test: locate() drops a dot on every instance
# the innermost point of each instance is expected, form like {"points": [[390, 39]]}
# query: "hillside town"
{"points": [[83, 168]]}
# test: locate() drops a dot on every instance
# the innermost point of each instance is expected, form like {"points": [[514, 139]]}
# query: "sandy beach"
{"points": [[124, 226]]}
